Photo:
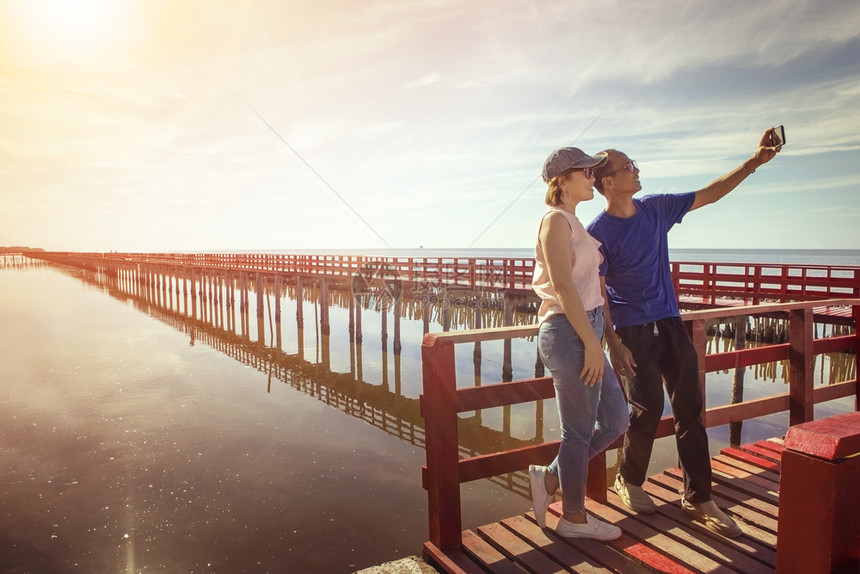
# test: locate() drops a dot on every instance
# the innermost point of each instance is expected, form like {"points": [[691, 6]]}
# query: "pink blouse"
{"points": [[586, 261]]}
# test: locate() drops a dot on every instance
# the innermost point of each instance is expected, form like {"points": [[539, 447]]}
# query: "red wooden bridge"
{"points": [[748, 480], [697, 284], [746, 477]]}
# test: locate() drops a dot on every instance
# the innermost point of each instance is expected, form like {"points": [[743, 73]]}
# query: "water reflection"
{"points": [[204, 308], [179, 453]]}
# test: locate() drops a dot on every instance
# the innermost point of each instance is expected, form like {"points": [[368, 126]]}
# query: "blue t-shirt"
{"points": [[636, 258]]}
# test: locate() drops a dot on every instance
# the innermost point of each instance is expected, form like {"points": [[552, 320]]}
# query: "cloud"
{"points": [[427, 80]]}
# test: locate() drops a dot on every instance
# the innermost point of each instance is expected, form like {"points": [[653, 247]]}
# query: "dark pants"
{"points": [[667, 356]]}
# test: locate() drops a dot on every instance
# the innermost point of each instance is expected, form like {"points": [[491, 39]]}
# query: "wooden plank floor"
{"points": [[746, 485]]}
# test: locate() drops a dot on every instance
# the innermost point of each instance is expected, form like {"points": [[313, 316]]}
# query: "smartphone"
{"points": [[777, 136]]}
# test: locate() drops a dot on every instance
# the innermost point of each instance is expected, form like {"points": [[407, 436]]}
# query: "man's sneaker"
{"points": [[593, 528], [712, 517], [540, 497], [633, 496]]}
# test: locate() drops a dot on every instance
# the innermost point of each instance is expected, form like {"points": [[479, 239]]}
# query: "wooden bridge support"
{"points": [[359, 336], [300, 300], [507, 368], [738, 380], [425, 310], [260, 296], [325, 324], [397, 344]]}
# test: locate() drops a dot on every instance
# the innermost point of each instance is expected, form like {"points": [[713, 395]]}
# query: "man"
{"points": [[650, 344]]}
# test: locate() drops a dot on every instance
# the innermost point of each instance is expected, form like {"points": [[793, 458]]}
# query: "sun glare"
{"points": [[66, 29]]}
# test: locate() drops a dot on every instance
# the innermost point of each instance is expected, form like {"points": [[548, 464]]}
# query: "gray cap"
{"points": [[567, 158]]}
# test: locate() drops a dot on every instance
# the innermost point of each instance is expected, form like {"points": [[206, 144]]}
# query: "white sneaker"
{"points": [[540, 497], [634, 497], [593, 528]]}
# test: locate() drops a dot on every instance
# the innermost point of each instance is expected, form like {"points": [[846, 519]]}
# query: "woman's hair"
{"points": [[553, 192]]}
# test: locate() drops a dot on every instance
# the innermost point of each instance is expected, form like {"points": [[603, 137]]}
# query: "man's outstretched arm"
{"points": [[721, 186]]}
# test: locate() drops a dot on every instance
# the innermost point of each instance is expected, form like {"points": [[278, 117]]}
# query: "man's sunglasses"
{"points": [[629, 166]]}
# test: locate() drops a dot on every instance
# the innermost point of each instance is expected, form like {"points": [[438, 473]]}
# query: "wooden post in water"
{"points": [[351, 312], [260, 288], [258, 281], [325, 325], [193, 289], [300, 316], [358, 334], [507, 365], [425, 310], [477, 353], [397, 344], [278, 311], [738, 382], [384, 315]]}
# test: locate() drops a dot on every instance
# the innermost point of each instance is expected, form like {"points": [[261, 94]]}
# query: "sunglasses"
{"points": [[629, 166], [588, 172]]}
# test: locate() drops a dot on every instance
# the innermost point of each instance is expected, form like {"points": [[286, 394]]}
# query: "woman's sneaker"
{"points": [[633, 496], [593, 528], [540, 497]]}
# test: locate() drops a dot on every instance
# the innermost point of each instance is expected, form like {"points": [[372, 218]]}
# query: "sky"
{"points": [[191, 125]]}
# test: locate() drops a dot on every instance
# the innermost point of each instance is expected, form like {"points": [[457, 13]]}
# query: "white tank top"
{"points": [[586, 259]]}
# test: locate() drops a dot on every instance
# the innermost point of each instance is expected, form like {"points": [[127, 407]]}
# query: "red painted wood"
{"points": [[600, 552], [801, 364], [819, 521], [671, 556], [442, 449], [672, 521], [451, 561], [856, 312], [752, 459], [490, 558], [556, 549], [734, 473], [708, 281], [595, 487], [830, 438], [758, 523], [768, 475], [518, 550], [499, 394], [764, 453]]}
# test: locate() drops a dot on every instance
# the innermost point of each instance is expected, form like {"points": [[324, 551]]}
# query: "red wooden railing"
{"points": [[442, 400], [760, 282], [709, 283]]}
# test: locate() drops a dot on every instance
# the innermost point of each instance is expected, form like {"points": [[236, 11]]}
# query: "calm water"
{"points": [[138, 440]]}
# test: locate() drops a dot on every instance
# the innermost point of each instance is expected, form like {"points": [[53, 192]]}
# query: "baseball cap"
{"points": [[566, 158]]}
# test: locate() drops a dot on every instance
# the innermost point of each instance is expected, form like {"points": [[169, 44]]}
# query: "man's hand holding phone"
{"points": [[777, 136]]}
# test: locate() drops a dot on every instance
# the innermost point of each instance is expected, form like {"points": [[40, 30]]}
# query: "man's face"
{"points": [[624, 176]]}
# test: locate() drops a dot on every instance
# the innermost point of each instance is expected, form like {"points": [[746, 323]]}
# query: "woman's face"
{"points": [[577, 187]]}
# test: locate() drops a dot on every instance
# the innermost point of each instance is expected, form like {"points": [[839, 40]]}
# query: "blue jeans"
{"points": [[591, 416]]}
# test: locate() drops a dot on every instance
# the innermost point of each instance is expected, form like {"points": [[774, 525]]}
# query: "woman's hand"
{"points": [[595, 360]]}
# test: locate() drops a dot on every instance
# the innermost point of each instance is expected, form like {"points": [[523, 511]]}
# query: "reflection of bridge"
{"points": [[376, 404]]}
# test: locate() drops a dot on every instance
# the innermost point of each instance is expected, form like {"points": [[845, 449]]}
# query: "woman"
{"points": [[591, 405]]}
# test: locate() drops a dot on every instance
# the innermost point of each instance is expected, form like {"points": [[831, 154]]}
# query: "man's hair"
{"points": [[605, 169]]}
